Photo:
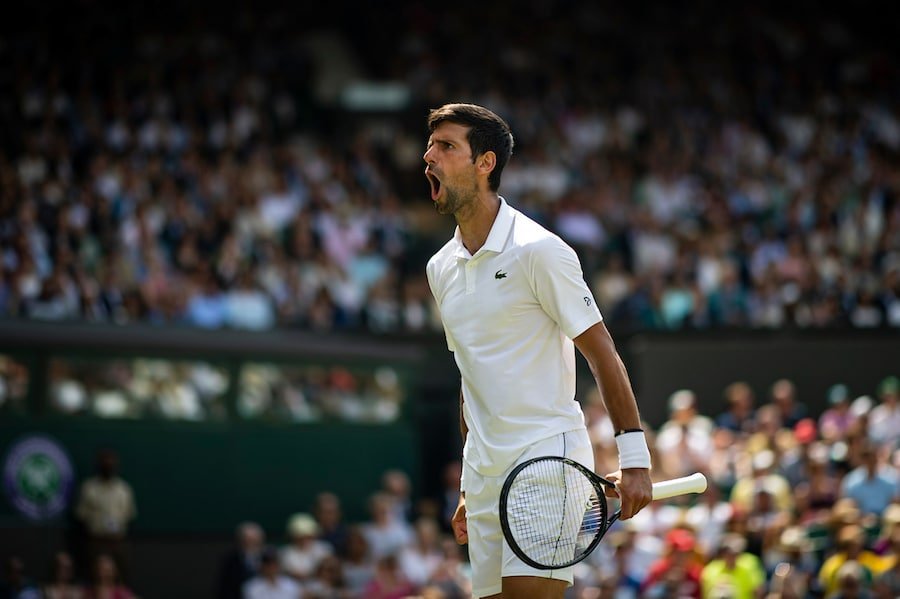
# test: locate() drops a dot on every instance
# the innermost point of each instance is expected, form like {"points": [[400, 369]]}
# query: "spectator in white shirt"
{"points": [[271, 583], [884, 419], [302, 556]]}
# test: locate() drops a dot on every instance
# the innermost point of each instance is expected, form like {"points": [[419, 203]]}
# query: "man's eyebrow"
{"points": [[444, 140]]}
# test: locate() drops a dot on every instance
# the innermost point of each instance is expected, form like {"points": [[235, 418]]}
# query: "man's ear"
{"points": [[486, 162]]}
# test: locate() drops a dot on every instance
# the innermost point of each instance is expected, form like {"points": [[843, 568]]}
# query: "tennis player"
{"points": [[514, 305]]}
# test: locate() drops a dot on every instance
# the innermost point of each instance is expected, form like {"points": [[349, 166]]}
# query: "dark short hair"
{"points": [[487, 133], [269, 555]]}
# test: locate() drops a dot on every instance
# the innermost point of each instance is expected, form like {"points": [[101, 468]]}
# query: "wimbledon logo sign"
{"points": [[38, 477]]}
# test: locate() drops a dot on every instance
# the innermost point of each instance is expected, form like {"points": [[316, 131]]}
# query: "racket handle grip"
{"points": [[695, 483]]}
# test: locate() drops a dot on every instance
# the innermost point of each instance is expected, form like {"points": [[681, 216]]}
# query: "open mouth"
{"points": [[435, 184]]}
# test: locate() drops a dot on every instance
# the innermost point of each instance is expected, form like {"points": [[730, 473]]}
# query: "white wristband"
{"points": [[633, 451]]}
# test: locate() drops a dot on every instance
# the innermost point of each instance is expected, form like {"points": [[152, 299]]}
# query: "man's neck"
{"points": [[475, 222]]}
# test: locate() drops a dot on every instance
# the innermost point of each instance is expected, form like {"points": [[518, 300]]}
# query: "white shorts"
{"points": [[489, 554]]}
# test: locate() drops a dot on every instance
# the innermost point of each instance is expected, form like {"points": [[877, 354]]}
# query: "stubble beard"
{"points": [[456, 203]]}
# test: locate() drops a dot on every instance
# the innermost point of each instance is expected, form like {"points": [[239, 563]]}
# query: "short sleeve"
{"points": [[560, 287]]}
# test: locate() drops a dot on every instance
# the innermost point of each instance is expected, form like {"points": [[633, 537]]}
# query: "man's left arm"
{"points": [[634, 485]]}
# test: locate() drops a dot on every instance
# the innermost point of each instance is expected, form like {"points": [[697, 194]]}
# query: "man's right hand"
{"points": [[460, 528]]}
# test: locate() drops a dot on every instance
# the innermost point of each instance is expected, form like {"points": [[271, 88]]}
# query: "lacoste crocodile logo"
{"points": [[499, 275]]}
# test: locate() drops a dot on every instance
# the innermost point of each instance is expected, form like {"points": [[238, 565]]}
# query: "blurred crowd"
{"points": [[199, 174], [799, 506]]}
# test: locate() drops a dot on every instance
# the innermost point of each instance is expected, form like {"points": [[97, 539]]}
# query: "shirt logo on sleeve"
{"points": [[587, 300], [499, 275]]}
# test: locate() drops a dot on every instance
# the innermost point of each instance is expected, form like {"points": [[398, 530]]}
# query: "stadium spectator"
{"points": [[684, 441], [106, 506], [850, 548], [794, 463], [835, 421], [385, 533], [329, 516], [106, 583], [397, 486], [884, 419], [270, 582], [389, 581], [421, 557], [62, 583], [783, 395], [328, 582], [709, 517], [301, 557], [677, 572], [818, 491], [763, 476], [852, 582], [873, 484], [791, 566], [451, 577], [359, 564], [887, 584], [890, 521], [242, 562], [15, 583], [733, 573], [739, 414]]}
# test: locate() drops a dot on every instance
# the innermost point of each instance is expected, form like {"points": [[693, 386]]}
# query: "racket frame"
{"points": [[598, 482]]}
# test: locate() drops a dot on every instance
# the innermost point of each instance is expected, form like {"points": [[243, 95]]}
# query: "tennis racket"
{"points": [[553, 510]]}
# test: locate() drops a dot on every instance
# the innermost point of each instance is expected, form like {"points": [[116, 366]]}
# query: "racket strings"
{"points": [[554, 512]]}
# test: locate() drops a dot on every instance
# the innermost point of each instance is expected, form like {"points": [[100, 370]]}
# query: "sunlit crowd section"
{"points": [[231, 176]]}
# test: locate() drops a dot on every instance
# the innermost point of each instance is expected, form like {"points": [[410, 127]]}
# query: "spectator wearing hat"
{"points": [[873, 485], [852, 582], [836, 420], [851, 547], [734, 574], [791, 565], [677, 572], [884, 419], [795, 461], [302, 556], [271, 582]]}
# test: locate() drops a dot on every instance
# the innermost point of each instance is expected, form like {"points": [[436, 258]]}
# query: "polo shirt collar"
{"points": [[496, 239]]}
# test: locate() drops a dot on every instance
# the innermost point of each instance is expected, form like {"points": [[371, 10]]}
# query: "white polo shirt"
{"points": [[510, 313]]}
